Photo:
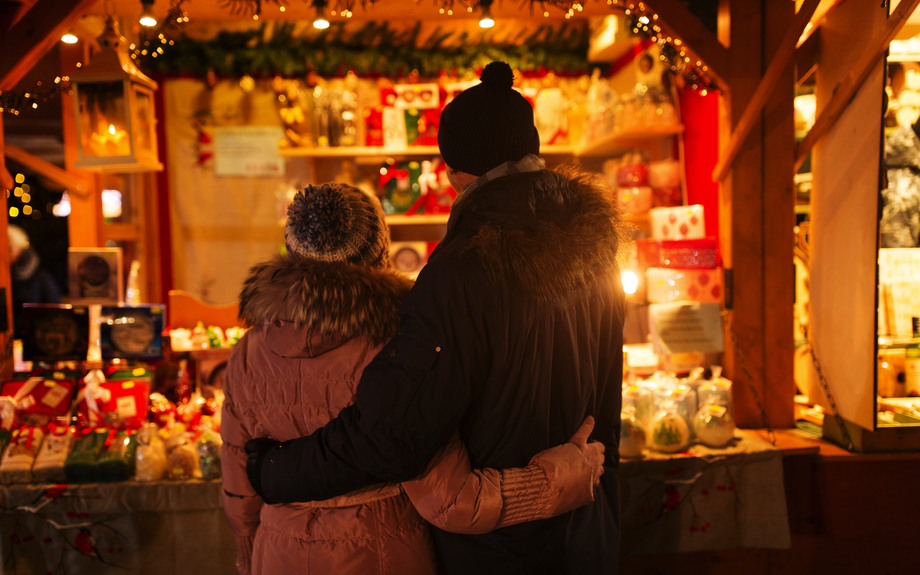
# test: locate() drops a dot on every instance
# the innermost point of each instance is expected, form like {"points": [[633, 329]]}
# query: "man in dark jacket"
{"points": [[31, 283], [512, 333]]}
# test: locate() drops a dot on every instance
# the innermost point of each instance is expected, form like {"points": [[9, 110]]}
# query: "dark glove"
{"points": [[257, 449]]}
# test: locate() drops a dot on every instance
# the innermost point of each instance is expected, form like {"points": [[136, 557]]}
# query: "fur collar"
{"points": [[336, 299], [572, 231], [25, 265]]}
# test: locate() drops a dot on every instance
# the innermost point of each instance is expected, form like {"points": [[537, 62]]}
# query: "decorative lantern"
{"points": [[113, 104]]}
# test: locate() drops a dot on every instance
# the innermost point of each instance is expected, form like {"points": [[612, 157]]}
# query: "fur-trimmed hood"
{"points": [[552, 231], [327, 299]]}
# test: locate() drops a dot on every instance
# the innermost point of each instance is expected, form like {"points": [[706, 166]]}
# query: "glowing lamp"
{"points": [[114, 110]]}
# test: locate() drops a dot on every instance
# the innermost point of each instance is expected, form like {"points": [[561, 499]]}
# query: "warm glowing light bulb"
{"points": [[630, 281], [69, 38], [112, 129], [321, 23], [486, 21]]}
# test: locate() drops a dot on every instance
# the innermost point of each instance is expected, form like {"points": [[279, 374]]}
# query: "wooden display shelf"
{"points": [[380, 152], [419, 220], [615, 142]]}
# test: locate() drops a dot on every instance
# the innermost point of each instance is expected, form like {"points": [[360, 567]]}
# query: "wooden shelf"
{"points": [[378, 152], [615, 142], [419, 220], [641, 221]]}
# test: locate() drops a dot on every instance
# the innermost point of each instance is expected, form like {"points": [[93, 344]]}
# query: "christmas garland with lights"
{"points": [[13, 101], [374, 50]]}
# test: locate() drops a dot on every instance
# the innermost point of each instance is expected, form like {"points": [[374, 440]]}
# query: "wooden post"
{"points": [[6, 184]]}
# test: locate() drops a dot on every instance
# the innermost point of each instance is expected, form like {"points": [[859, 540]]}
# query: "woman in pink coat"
{"points": [[318, 316]]}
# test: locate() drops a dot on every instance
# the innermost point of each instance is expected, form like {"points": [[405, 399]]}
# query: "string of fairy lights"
{"points": [[154, 40]]}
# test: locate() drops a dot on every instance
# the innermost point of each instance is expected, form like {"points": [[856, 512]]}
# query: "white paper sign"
{"points": [[685, 327], [248, 151]]}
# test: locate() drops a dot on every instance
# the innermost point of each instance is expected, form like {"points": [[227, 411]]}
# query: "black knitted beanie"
{"points": [[488, 124]]}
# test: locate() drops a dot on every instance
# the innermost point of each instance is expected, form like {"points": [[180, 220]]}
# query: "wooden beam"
{"points": [[72, 182], [846, 88], [676, 19], [34, 34], [806, 57], [766, 86]]}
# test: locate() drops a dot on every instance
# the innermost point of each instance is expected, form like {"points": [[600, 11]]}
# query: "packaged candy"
{"points": [[181, 456], [16, 465], [632, 434], [80, 466], [117, 403], [669, 431], [116, 462], [151, 454], [35, 401], [642, 398], [49, 463], [208, 447]]}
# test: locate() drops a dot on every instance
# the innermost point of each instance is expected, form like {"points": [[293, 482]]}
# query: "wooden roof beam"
{"points": [[846, 89], [71, 182], [784, 54], [806, 57], [678, 21], [34, 34]]}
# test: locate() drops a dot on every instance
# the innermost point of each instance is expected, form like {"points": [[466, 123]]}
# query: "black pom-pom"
{"points": [[497, 75], [320, 217]]}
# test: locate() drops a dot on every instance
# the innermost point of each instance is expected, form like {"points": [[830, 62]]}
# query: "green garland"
{"points": [[374, 50]]}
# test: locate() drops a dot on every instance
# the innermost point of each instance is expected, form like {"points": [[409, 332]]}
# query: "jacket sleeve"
{"points": [[453, 497], [241, 504], [409, 401]]}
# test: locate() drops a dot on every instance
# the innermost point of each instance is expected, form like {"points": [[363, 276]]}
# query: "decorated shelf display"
{"points": [[201, 337], [668, 431], [49, 463], [679, 284], [700, 253], [677, 223], [632, 434], [16, 465]]}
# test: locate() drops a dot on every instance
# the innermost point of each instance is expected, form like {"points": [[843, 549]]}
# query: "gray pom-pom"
{"points": [[320, 217], [498, 75]]}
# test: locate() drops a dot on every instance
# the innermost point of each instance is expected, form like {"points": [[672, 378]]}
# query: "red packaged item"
{"points": [[117, 404], [189, 412], [162, 411], [35, 401], [632, 175], [699, 253], [667, 197]]}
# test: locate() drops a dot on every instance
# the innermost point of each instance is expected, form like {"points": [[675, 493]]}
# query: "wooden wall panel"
{"points": [[844, 219]]}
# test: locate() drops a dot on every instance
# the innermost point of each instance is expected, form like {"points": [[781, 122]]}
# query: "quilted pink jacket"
{"points": [[317, 325]]}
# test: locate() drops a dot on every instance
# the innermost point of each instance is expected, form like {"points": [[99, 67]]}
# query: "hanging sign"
{"points": [[248, 151]]}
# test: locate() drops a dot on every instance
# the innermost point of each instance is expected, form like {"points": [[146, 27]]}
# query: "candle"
{"points": [[110, 142]]}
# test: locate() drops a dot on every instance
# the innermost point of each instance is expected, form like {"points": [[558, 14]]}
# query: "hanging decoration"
{"points": [[13, 101], [642, 21], [344, 8], [153, 41], [374, 50]]}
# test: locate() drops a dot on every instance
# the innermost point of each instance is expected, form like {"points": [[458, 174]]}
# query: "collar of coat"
{"points": [[551, 232], [335, 299]]}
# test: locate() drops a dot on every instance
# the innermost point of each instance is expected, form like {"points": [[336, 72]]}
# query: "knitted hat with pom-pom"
{"points": [[337, 223], [488, 124]]}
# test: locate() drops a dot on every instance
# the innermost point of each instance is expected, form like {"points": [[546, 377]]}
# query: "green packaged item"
{"points": [[80, 466], [116, 462], [209, 455], [5, 436]]}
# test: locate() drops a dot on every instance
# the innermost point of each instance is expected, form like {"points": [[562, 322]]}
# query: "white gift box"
{"points": [[678, 223], [683, 284]]}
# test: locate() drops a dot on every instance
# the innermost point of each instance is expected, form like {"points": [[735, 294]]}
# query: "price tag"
{"points": [[717, 410], [54, 396], [138, 371], [127, 385], [126, 407], [58, 375]]}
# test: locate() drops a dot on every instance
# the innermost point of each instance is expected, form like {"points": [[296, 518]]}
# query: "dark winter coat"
{"points": [[513, 334], [31, 284]]}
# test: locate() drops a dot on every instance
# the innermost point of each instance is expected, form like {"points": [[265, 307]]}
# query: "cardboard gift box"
{"points": [[55, 332], [95, 275], [702, 253], [678, 223], [131, 332], [38, 400], [683, 284], [118, 404]]}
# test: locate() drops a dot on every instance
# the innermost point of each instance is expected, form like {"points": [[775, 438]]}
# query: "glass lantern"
{"points": [[113, 105]]}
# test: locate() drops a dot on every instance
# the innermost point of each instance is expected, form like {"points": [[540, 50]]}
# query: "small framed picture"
{"points": [[131, 332], [55, 332], [95, 275]]}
